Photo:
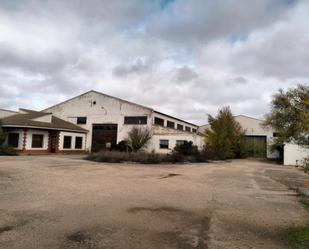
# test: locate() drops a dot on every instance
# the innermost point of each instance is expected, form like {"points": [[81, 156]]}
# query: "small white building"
{"points": [[109, 119], [32, 132]]}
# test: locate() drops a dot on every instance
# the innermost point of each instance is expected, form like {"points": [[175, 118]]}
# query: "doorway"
{"points": [[104, 136]]}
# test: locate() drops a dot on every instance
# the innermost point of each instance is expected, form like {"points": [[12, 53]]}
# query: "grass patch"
{"points": [[298, 237]]}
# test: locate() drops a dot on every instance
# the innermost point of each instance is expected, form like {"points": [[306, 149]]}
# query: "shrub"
{"points": [[123, 146], [138, 138], [6, 150], [186, 149]]}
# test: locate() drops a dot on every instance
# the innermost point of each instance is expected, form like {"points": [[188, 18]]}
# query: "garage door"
{"points": [[256, 146]]}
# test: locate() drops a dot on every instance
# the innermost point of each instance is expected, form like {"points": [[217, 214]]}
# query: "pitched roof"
{"points": [[27, 120], [122, 100]]}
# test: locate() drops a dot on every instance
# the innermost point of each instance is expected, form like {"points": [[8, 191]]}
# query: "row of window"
{"points": [[164, 143], [170, 124], [142, 120], [38, 141], [67, 142]]}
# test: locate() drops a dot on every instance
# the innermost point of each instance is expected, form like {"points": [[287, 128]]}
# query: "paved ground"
{"points": [[62, 203]]}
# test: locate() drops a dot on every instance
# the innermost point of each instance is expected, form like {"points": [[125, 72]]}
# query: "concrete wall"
{"points": [[102, 109], [294, 154], [73, 135]]}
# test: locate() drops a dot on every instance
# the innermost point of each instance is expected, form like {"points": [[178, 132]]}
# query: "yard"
{"points": [[65, 202]]}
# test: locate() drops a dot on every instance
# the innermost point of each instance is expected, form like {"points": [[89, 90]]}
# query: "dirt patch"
{"points": [[169, 175], [189, 230], [80, 239]]}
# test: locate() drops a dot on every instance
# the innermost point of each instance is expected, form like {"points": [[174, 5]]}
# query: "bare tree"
{"points": [[138, 137]]}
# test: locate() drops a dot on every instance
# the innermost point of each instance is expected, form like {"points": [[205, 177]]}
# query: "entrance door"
{"points": [[53, 141], [104, 136]]}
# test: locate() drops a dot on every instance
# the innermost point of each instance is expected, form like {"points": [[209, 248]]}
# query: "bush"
{"points": [[6, 150], [186, 149], [138, 138], [123, 146]]}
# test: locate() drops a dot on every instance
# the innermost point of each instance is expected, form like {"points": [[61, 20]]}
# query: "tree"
{"points": [[225, 134], [289, 116], [138, 137], [2, 135]]}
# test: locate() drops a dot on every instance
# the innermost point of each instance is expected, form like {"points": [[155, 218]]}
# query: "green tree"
{"points": [[224, 137], [138, 138], [289, 116], [2, 135]]}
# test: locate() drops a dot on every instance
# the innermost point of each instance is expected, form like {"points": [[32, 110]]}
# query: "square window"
{"points": [[67, 141], [188, 128], [163, 144], [78, 142], [170, 124], [81, 120], [180, 142], [194, 130], [180, 127], [13, 139], [37, 141], [159, 121]]}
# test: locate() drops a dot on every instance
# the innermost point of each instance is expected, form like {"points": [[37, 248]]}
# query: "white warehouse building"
{"points": [[109, 119]]}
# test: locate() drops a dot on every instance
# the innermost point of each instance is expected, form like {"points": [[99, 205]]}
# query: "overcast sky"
{"points": [[185, 58]]}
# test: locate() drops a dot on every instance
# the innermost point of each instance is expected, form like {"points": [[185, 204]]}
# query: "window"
{"points": [[180, 142], [67, 141], [275, 134], [179, 127], [188, 128], [194, 130], [37, 141], [78, 142], [13, 139], [163, 144], [159, 121], [81, 120], [170, 124], [135, 120]]}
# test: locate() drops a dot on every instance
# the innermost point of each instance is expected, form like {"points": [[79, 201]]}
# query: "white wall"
{"points": [[172, 136], [29, 139], [73, 135], [294, 154], [108, 110]]}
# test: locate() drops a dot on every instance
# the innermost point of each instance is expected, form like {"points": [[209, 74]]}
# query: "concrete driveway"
{"points": [[62, 202]]}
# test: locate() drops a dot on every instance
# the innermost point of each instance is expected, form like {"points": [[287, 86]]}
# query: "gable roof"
{"points": [[103, 94], [125, 101], [26, 120]]}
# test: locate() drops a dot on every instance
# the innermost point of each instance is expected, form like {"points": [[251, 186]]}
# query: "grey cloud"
{"points": [[138, 66], [206, 20], [185, 74]]}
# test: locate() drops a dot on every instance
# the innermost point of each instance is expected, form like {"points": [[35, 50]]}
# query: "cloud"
{"points": [[181, 57]]}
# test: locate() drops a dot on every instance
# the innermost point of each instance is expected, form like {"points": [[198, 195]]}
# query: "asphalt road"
{"points": [[62, 202]]}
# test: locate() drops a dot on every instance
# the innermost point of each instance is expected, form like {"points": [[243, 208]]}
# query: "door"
{"points": [[104, 136], [53, 141], [256, 146]]}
